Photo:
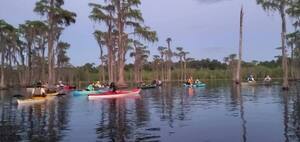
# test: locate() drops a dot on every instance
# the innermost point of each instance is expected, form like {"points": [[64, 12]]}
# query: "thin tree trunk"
{"points": [[135, 75], [284, 55], [29, 62], [43, 64], [103, 72], [292, 62], [169, 62], [162, 70], [184, 67], [238, 71], [2, 83], [110, 65], [22, 72], [181, 70], [115, 68]]}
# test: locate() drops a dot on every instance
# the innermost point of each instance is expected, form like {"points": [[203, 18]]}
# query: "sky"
{"points": [[205, 28]]}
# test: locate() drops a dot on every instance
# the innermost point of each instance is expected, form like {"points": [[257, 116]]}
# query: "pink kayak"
{"points": [[117, 94]]}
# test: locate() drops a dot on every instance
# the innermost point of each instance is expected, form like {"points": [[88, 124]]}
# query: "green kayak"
{"points": [[148, 86], [85, 93], [195, 85]]}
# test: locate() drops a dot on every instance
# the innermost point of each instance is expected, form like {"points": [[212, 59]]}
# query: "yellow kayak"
{"points": [[38, 99]]}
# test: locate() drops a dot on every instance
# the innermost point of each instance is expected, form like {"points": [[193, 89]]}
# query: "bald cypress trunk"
{"points": [[285, 85], [50, 45], [238, 71], [121, 42]]}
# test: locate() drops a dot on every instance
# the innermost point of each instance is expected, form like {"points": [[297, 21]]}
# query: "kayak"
{"points": [[29, 90], [111, 94], [53, 94], [37, 99], [67, 88], [148, 86], [195, 85], [252, 83], [85, 93]]}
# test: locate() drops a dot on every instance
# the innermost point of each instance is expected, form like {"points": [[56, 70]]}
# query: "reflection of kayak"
{"points": [[195, 85], [110, 94], [85, 93], [37, 99], [267, 83], [148, 86]]}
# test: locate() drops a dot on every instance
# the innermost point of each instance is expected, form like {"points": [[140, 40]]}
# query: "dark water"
{"points": [[217, 113]]}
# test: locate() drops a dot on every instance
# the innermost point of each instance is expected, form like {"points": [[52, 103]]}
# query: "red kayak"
{"points": [[117, 94], [67, 88]]}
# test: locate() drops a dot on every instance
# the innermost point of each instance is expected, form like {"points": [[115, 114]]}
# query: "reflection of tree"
{"points": [[124, 122], [291, 103], [112, 124], [169, 104], [8, 129], [236, 96], [39, 122], [131, 122]]}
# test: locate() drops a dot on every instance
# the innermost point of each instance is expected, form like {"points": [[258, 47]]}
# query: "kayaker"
{"points": [[113, 87], [60, 84], [159, 83], [267, 78], [90, 87], [154, 82], [190, 81], [38, 90], [197, 81], [98, 85], [46, 86], [251, 78]]}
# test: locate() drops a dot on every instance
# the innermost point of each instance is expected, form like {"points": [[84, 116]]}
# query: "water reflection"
{"points": [[121, 121], [236, 96], [171, 113], [40, 122]]}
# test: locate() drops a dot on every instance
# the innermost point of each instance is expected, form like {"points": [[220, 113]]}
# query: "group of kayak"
{"points": [[95, 91], [42, 93], [191, 83], [154, 84], [251, 80]]}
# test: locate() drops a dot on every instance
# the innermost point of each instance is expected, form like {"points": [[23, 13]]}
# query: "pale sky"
{"points": [[206, 28]]}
